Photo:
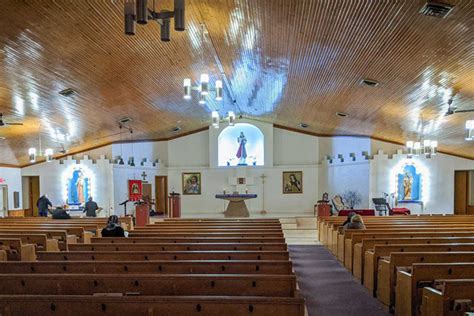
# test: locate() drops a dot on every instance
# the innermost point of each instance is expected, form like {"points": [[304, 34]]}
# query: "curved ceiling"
{"points": [[282, 61]]}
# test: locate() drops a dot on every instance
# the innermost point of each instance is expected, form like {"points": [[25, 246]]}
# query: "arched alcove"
{"points": [[241, 144]]}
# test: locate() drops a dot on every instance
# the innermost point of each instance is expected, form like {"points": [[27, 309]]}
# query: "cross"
{"points": [[144, 175]]}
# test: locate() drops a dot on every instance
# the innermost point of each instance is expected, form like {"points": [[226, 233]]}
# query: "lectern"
{"points": [[142, 213], [174, 205]]}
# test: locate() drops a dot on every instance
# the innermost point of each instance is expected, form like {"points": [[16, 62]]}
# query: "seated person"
{"points": [[348, 219], [60, 213], [113, 228], [356, 223]]}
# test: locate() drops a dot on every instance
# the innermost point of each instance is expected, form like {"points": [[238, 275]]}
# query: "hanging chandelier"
{"points": [[203, 88], [216, 119], [136, 11], [422, 147]]}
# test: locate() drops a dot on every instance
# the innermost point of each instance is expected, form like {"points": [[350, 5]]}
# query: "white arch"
{"points": [[227, 145]]}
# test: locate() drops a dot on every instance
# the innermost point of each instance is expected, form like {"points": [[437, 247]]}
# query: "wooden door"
{"points": [[463, 191], [161, 194], [34, 189]]}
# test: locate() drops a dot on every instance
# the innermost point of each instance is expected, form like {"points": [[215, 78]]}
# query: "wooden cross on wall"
{"points": [[144, 175]]}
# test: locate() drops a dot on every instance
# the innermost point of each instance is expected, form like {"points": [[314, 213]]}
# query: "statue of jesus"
{"points": [[242, 152], [407, 185]]}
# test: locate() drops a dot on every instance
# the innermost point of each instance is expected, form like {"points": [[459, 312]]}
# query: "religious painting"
{"points": [[78, 187], [409, 184], [134, 190], [292, 182], [192, 183], [240, 180]]}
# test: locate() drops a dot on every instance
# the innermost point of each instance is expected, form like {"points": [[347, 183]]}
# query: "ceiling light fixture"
{"points": [[369, 82], [136, 11], [304, 125], [422, 147], [469, 130], [215, 119], [231, 118]]}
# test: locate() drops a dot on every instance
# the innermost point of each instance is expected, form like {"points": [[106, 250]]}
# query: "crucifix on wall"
{"points": [[144, 175]]}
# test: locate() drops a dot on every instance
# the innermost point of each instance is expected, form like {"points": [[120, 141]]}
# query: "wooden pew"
{"points": [[368, 244], [376, 280], [149, 267], [387, 271], [149, 284], [450, 297], [39, 240], [204, 234], [178, 247], [151, 305], [78, 231], [411, 281], [63, 238], [237, 240], [352, 237], [3, 255], [16, 250], [161, 255]]}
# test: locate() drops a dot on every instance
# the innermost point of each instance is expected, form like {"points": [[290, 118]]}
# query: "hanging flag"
{"points": [[134, 190]]}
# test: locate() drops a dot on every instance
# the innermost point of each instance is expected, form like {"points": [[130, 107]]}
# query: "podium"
{"points": [[174, 205], [322, 209], [142, 214]]}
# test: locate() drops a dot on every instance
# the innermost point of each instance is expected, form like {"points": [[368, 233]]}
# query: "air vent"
{"points": [[436, 9], [69, 92], [304, 125], [369, 82], [342, 114], [176, 129], [125, 120]]}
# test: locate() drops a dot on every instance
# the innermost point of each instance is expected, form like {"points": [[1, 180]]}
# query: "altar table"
{"points": [[237, 206]]}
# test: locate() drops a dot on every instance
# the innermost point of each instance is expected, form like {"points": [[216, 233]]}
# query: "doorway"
{"points": [[464, 192], [3, 200], [161, 195], [34, 195]]}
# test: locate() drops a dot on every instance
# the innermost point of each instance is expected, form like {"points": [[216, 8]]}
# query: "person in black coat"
{"points": [[43, 205], [113, 228]]}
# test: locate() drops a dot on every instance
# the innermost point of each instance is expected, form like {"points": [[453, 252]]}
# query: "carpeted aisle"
{"points": [[329, 289]]}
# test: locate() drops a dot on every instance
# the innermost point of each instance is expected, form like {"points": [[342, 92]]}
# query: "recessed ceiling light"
{"points": [[69, 92], [342, 114], [304, 125], [177, 129], [369, 82], [2, 138]]}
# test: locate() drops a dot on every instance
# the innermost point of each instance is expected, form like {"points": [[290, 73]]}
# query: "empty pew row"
{"points": [[177, 247], [277, 285], [148, 267], [161, 255], [150, 305]]}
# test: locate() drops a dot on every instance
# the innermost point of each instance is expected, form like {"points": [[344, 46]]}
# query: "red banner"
{"points": [[134, 190]]}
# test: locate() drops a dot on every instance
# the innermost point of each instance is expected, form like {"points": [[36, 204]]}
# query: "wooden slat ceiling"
{"points": [[285, 62]]}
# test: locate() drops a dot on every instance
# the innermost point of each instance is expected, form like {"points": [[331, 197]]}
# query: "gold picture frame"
{"points": [[292, 182], [191, 182]]}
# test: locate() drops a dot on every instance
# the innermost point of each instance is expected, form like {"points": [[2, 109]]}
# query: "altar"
{"points": [[237, 206]]}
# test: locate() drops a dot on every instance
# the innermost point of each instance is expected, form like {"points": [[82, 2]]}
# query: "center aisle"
{"points": [[327, 286]]}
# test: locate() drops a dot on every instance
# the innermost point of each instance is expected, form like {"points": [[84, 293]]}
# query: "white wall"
{"points": [[12, 178], [437, 179], [291, 148]]}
